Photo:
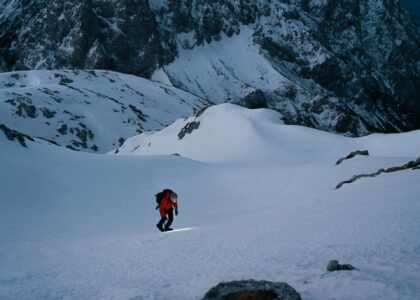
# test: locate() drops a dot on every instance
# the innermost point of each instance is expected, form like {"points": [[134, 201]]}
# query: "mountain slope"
{"points": [[231, 69], [82, 226], [349, 67], [229, 133], [120, 36], [89, 110], [342, 67]]}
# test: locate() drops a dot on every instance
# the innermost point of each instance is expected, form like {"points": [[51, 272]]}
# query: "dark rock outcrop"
{"points": [[63, 129], [255, 99], [24, 109], [333, 265], [92, 34], [414, 165], [48, 113], [252, 290], [353, 154], [15, 135], [188, 128]]}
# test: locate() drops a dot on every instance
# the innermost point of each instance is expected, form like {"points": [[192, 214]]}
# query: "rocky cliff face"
{"points": [[94, 34], [345, 66], [376, 59]]}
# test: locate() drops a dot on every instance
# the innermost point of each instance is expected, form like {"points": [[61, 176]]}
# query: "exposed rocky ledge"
{"points": [[252, 290], [188, 128], [352, 154], [13, 134], [414, 165]]}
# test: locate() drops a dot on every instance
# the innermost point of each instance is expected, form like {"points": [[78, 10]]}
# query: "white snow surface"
{"points": [[78, 225], [228, 132], [223, 70]]}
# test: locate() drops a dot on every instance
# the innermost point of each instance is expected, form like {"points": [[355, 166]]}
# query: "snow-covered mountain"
{"points": [[229, 133], [261, 194], [89, 110], [350, 67], [77, 225]]}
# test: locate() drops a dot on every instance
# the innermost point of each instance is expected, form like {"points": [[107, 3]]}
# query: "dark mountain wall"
{"points": [[358, 58], [115, 35], [376, 58], [413, 6]]}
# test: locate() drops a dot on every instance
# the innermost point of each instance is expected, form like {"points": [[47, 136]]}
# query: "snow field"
{"points": [[82, 226]]}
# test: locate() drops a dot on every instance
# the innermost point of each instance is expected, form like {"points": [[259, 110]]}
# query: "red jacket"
{"points": [[166, 204]]}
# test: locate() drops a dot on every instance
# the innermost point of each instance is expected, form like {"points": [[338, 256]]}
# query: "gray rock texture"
{"points": [[353, 154], [333, 265], [92, 34], [15, 135], [255, 99], [414, 165], [187, 129], [252, 290]]}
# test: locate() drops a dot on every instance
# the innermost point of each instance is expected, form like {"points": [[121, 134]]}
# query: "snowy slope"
{"points": [[77, 225], [89, 110], [322, 64], [224, 70], [229, 133], [229, 69]]}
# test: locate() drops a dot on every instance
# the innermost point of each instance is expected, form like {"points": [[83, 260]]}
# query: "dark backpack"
{"points": [[160, 195]]}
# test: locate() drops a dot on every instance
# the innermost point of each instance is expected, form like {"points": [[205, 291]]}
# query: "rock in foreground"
{"points": [[252, 290], [333, 265]]}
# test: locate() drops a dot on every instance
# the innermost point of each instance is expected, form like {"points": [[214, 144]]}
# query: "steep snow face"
{"points": [[229, 133], [89, 111], [229, 69], [82, 226], [225, 70], [309, 58]]}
